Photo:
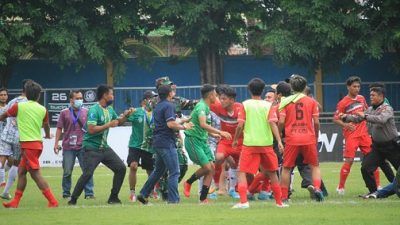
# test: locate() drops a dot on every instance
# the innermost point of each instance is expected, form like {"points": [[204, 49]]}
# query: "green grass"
{"points": [[348, 209]]}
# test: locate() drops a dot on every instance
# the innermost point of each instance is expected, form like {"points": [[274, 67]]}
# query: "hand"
{"points": [[129, 112], [217, 136], [186, 119], [225, 135], [188, 126], [349, 126], [56, 151], [234, 144], [361, 114], [280, 146], [113, 123]]}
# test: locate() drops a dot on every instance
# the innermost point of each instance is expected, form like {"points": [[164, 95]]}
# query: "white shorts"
{"points": [[13, 150]]}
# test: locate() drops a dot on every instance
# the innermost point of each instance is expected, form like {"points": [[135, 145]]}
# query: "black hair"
{"points": [[298, 83], [283, 88], [307, 91], [379, 90], [377, 84], [256, 86], [353, 79], [206, 89], [102, 90], [271, 90], [228, 91], [24, 81], [73, 92], [4, 89], [163, 91], [220, 87], [32, 90]]}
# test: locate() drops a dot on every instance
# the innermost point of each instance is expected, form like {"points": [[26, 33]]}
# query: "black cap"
{"points": [[148, 94]]}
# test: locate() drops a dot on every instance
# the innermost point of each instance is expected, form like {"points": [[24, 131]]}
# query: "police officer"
{"points": [[385, 139]]}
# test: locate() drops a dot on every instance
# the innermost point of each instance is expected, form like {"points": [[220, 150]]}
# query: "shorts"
{"points": [[309, 153], [252, 157], [30, 159], [227, 150], [198, 150], [143, 158], [352, 144], [12, 150]]}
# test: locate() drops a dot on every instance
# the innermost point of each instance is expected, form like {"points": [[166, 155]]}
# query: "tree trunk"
{"points": [[211, 65], [5, 74], [318, 86], [109, 72]]}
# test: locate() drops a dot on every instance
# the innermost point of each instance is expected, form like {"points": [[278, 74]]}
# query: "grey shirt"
{"points": [[380, 122]]}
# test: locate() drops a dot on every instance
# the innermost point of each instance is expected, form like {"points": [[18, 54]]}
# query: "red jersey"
{"points": [[351, 106], [229, 122], [299, 125]]}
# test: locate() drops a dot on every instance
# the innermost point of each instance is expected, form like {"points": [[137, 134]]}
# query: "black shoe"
{"points": [[66, 197], [114, 200], [142, 199], [365, 196], [319, 196], [72, 201]]}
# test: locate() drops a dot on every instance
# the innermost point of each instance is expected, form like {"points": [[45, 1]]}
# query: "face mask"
{"points": [[110, 102], [78, 103]]}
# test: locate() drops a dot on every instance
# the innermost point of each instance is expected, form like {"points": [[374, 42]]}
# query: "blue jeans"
{"points": [[69, 157], [388, 190], [166, 160]]}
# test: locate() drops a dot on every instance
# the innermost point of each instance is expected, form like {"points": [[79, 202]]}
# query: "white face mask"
{"points": [[78, 103]]}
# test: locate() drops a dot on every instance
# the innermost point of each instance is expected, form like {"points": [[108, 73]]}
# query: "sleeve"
{"points": [[385, 113], [202, 110], [272, 116], [61, 119], [339, 109], [46, 118], [113, 114], [13, 110], [92, 117], [132, 117], [169, 113], [241, 113]]}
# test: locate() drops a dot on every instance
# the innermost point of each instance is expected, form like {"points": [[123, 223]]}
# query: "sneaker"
{"points": [[251, 197], [5, 196], [114, 200], [233, 194], [52, 204], [213, 196], [239, 205], [365, 196], [11, 204], [286, 201], [340, 191], [283, 205], [379, 188], [371, 196], [156, 196], [186, 189], [319, 196], [310, 189], [72, 201], [263, 195], [221, 192], [143, 200], [90, 197], [66, 197], [132, 197], [212, 190]]}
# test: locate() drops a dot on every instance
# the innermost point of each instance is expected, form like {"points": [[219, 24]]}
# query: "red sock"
{"points": [[15, 202], [242, 189], [256, 183], [276, 189], [266, 185], [284, 192], [377, 178], [50, 197], [344, 172], [317, 184]]}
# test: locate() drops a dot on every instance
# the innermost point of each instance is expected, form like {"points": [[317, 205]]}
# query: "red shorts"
{"points": [[352, 144], [227, 150], [309, 152], [30, 159], [252, 157]]}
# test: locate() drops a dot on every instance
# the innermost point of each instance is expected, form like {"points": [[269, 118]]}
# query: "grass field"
{"points": [[348, 209]]}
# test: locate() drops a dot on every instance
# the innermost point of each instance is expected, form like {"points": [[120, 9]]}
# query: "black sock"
{"points": [[204, 192], [192, 179]]}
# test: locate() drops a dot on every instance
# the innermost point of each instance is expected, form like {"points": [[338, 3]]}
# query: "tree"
{"points": [[318, 34], [210, 27]]}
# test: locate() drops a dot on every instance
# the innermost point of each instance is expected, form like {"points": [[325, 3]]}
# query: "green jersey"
{"points": [[142, 130], [201, 109], [98, 116]]}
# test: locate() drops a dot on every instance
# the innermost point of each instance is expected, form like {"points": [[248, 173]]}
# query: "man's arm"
{"points": [[46, 127], [3, 116], [93, 129], [276, 133], [172, 124], [384, 115], [210, 129], [57, 139], [124, 116], [316, 127], [238, 132]]}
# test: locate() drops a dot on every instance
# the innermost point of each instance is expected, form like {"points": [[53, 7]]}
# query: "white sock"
{"points": [[2, 173], [12, 174], [232, 179], [200, 183], [291, 180]]}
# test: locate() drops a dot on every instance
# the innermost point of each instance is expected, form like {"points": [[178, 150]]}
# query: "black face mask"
{"points": [[110, 102]]}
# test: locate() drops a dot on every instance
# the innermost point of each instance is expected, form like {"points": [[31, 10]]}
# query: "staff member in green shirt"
{"points": [[101, 117]]}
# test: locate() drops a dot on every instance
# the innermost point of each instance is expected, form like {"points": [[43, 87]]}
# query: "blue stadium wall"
{"points": [[237, 70]]}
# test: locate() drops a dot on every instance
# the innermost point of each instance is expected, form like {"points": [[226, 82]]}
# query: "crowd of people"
{"points": [[243, 149]]}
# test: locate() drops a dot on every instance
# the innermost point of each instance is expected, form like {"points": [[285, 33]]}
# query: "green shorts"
{"points": [[198, 150]]}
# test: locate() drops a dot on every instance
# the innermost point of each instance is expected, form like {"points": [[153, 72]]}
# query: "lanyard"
{"points": [[74, 118], [149, 122]]}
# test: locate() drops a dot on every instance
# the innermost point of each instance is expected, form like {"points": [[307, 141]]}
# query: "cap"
{"points": [[148, 94], [163, 81]]}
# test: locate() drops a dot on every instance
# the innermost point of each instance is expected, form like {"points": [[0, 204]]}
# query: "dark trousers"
{"points": [[91, 159], [306, 175], [376, 158]]}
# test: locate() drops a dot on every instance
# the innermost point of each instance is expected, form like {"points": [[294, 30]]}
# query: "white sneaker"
{"points": [[239, 205], [340, 191], [283, 205], [132, 197]]}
